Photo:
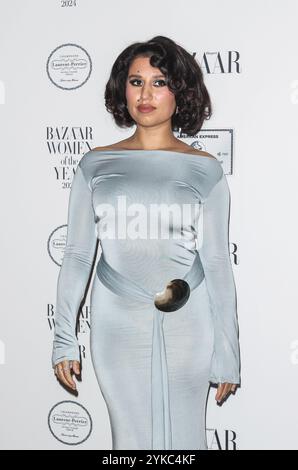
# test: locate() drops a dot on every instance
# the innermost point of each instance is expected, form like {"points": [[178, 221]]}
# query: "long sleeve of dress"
{"points": [[215, 258], [75, 269]]}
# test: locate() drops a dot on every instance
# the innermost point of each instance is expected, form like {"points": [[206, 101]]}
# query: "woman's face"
{"points": [[146, 85]]}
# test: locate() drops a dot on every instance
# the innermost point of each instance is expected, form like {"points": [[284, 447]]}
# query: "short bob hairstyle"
{"points": [[183, 77]]}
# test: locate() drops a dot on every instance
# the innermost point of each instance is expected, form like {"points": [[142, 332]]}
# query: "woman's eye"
{"points": [[162, 81], [132, 82]]}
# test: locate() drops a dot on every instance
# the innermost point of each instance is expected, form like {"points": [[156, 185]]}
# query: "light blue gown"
{"points": [[153, 368]]}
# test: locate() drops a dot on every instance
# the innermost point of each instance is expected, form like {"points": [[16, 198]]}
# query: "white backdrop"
{"points": [[255, 103]]}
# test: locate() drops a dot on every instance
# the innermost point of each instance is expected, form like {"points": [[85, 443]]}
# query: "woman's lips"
{"points": [[145, 109]]}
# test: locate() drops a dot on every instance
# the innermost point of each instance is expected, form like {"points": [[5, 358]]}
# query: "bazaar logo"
{"points": [[225, 440]]}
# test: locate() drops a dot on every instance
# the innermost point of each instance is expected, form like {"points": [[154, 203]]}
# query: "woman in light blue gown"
{"points": [[163, 307]]}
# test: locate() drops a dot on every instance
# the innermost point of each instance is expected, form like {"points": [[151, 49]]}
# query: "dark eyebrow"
{"points": [[140, 76]]}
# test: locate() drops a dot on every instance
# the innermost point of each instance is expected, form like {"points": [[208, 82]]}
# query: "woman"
{"points": [[163, 311]]}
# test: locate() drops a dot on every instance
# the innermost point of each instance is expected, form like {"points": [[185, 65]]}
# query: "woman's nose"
{"points": [[146, 92]]}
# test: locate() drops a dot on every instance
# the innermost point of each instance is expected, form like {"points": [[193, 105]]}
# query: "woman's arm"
{"points": [[215, 257], [75, 270]]}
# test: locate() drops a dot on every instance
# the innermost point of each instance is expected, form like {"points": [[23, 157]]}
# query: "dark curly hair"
{"points": [[184, 78]]}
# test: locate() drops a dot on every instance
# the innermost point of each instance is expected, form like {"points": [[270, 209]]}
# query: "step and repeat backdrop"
{"points": [[56, 58]]}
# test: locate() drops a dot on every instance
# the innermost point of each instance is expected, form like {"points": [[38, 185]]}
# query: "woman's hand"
{"points": [[63, 372], [223, 390]]}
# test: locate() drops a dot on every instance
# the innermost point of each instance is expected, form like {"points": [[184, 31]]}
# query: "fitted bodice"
{"points": [[147, 209]]}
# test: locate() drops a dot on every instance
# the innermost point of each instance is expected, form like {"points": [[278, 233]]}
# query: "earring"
{"points": [[176, 112]]}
